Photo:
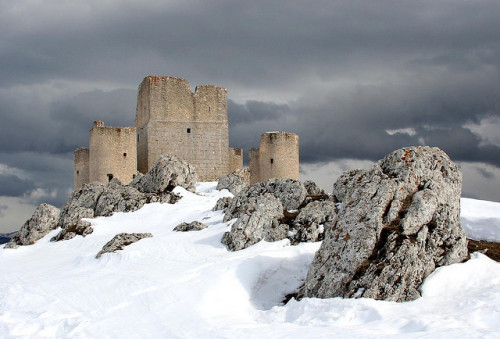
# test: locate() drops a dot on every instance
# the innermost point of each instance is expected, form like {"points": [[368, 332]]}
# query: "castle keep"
{"points": [[170, 119]]}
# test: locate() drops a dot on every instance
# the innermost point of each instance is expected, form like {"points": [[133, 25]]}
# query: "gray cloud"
{"points": [[3, 208], [13, 186], [340, 74]]}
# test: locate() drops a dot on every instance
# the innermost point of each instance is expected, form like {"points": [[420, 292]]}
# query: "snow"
{"points": [[480, 219], [187, 285]]}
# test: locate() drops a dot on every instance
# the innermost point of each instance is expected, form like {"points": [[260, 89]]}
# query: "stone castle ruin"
{"points": [[170, 119]]}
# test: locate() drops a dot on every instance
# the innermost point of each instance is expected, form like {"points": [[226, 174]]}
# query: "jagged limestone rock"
{"points": [[73, 224], [398, 222], [291, 193], [309, 225], [232, 182], [313, 189], [167, 173], [121, 240], [187, 227], [222, 203], [259, 221], [43, 220]]}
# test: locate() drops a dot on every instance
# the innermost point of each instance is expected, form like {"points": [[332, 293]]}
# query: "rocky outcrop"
{"points": [[232, 182], [275, 210], [168, 172], [291, 193], [43, 220], [96, 199], [313, 189], [259, 220], [121, 240], [398, 222], [187, 227], [222, 203], [309, 225]]}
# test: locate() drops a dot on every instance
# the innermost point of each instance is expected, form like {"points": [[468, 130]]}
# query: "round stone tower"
{"points": [[277, 157]]}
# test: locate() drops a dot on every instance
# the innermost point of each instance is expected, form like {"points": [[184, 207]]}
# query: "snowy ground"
{"points": [[187, 285]]}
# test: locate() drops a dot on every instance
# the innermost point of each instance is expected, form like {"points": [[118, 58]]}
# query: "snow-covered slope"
{"points": [[188, 285]]}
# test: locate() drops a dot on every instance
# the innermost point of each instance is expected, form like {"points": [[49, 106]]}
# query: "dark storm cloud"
{"points": [[338, 73], [63, 125], [485, 173], [13, 186]]}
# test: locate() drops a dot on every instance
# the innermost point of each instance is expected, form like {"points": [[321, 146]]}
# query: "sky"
{"points": [[354, 79]]}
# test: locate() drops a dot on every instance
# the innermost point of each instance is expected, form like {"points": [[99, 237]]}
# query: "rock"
{"points": [[259, 221], [193, 226], [43, 220], [72, 223], [291, 193], [121, 240], [313, 189], [96, 199], [168, 172], [398, 222], [232, 182], [309, 224], [222, 203]]}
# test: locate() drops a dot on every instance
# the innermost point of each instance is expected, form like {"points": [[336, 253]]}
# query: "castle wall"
{"points": [[276, 157], [171, 119], [254, 165], [112, 153], [81, 167], [235, 159]]}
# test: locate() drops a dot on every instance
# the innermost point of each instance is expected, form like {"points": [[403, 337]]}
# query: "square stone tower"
{"points": [[172, 119]]}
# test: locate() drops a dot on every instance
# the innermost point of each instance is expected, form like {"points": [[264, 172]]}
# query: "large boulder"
{"points": [[121, 240], [232, 182], [259, 221], [43, 220], [168, 172], [398, 222]]}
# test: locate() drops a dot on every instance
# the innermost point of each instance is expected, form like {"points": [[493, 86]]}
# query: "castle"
{"points": [[170, 119]]}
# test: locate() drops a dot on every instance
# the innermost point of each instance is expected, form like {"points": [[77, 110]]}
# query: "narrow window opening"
{"points": [[189, 130], [133, 176], [110, 177], [124, 155], [209, 108], [137, 137], [77, 172], [272, 160]]}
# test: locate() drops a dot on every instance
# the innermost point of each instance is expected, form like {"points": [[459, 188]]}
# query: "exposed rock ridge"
{"points": [[398, 222], [121, 240]]}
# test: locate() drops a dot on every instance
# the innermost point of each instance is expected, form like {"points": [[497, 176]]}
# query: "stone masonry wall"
{"points": [[193, 126], [278, 157], [112, 153], [81, 167], [235, 159], [253, 165]]}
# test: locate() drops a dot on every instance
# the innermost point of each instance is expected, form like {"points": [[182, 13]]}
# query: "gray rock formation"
{"points": [[291, 193], [168, 172], [398, 222], [313, 189], [187, 227], [259, 220], [309, 225], [232, 182], [121, 240], [222, 203], [96, 199], [43, 220]]}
